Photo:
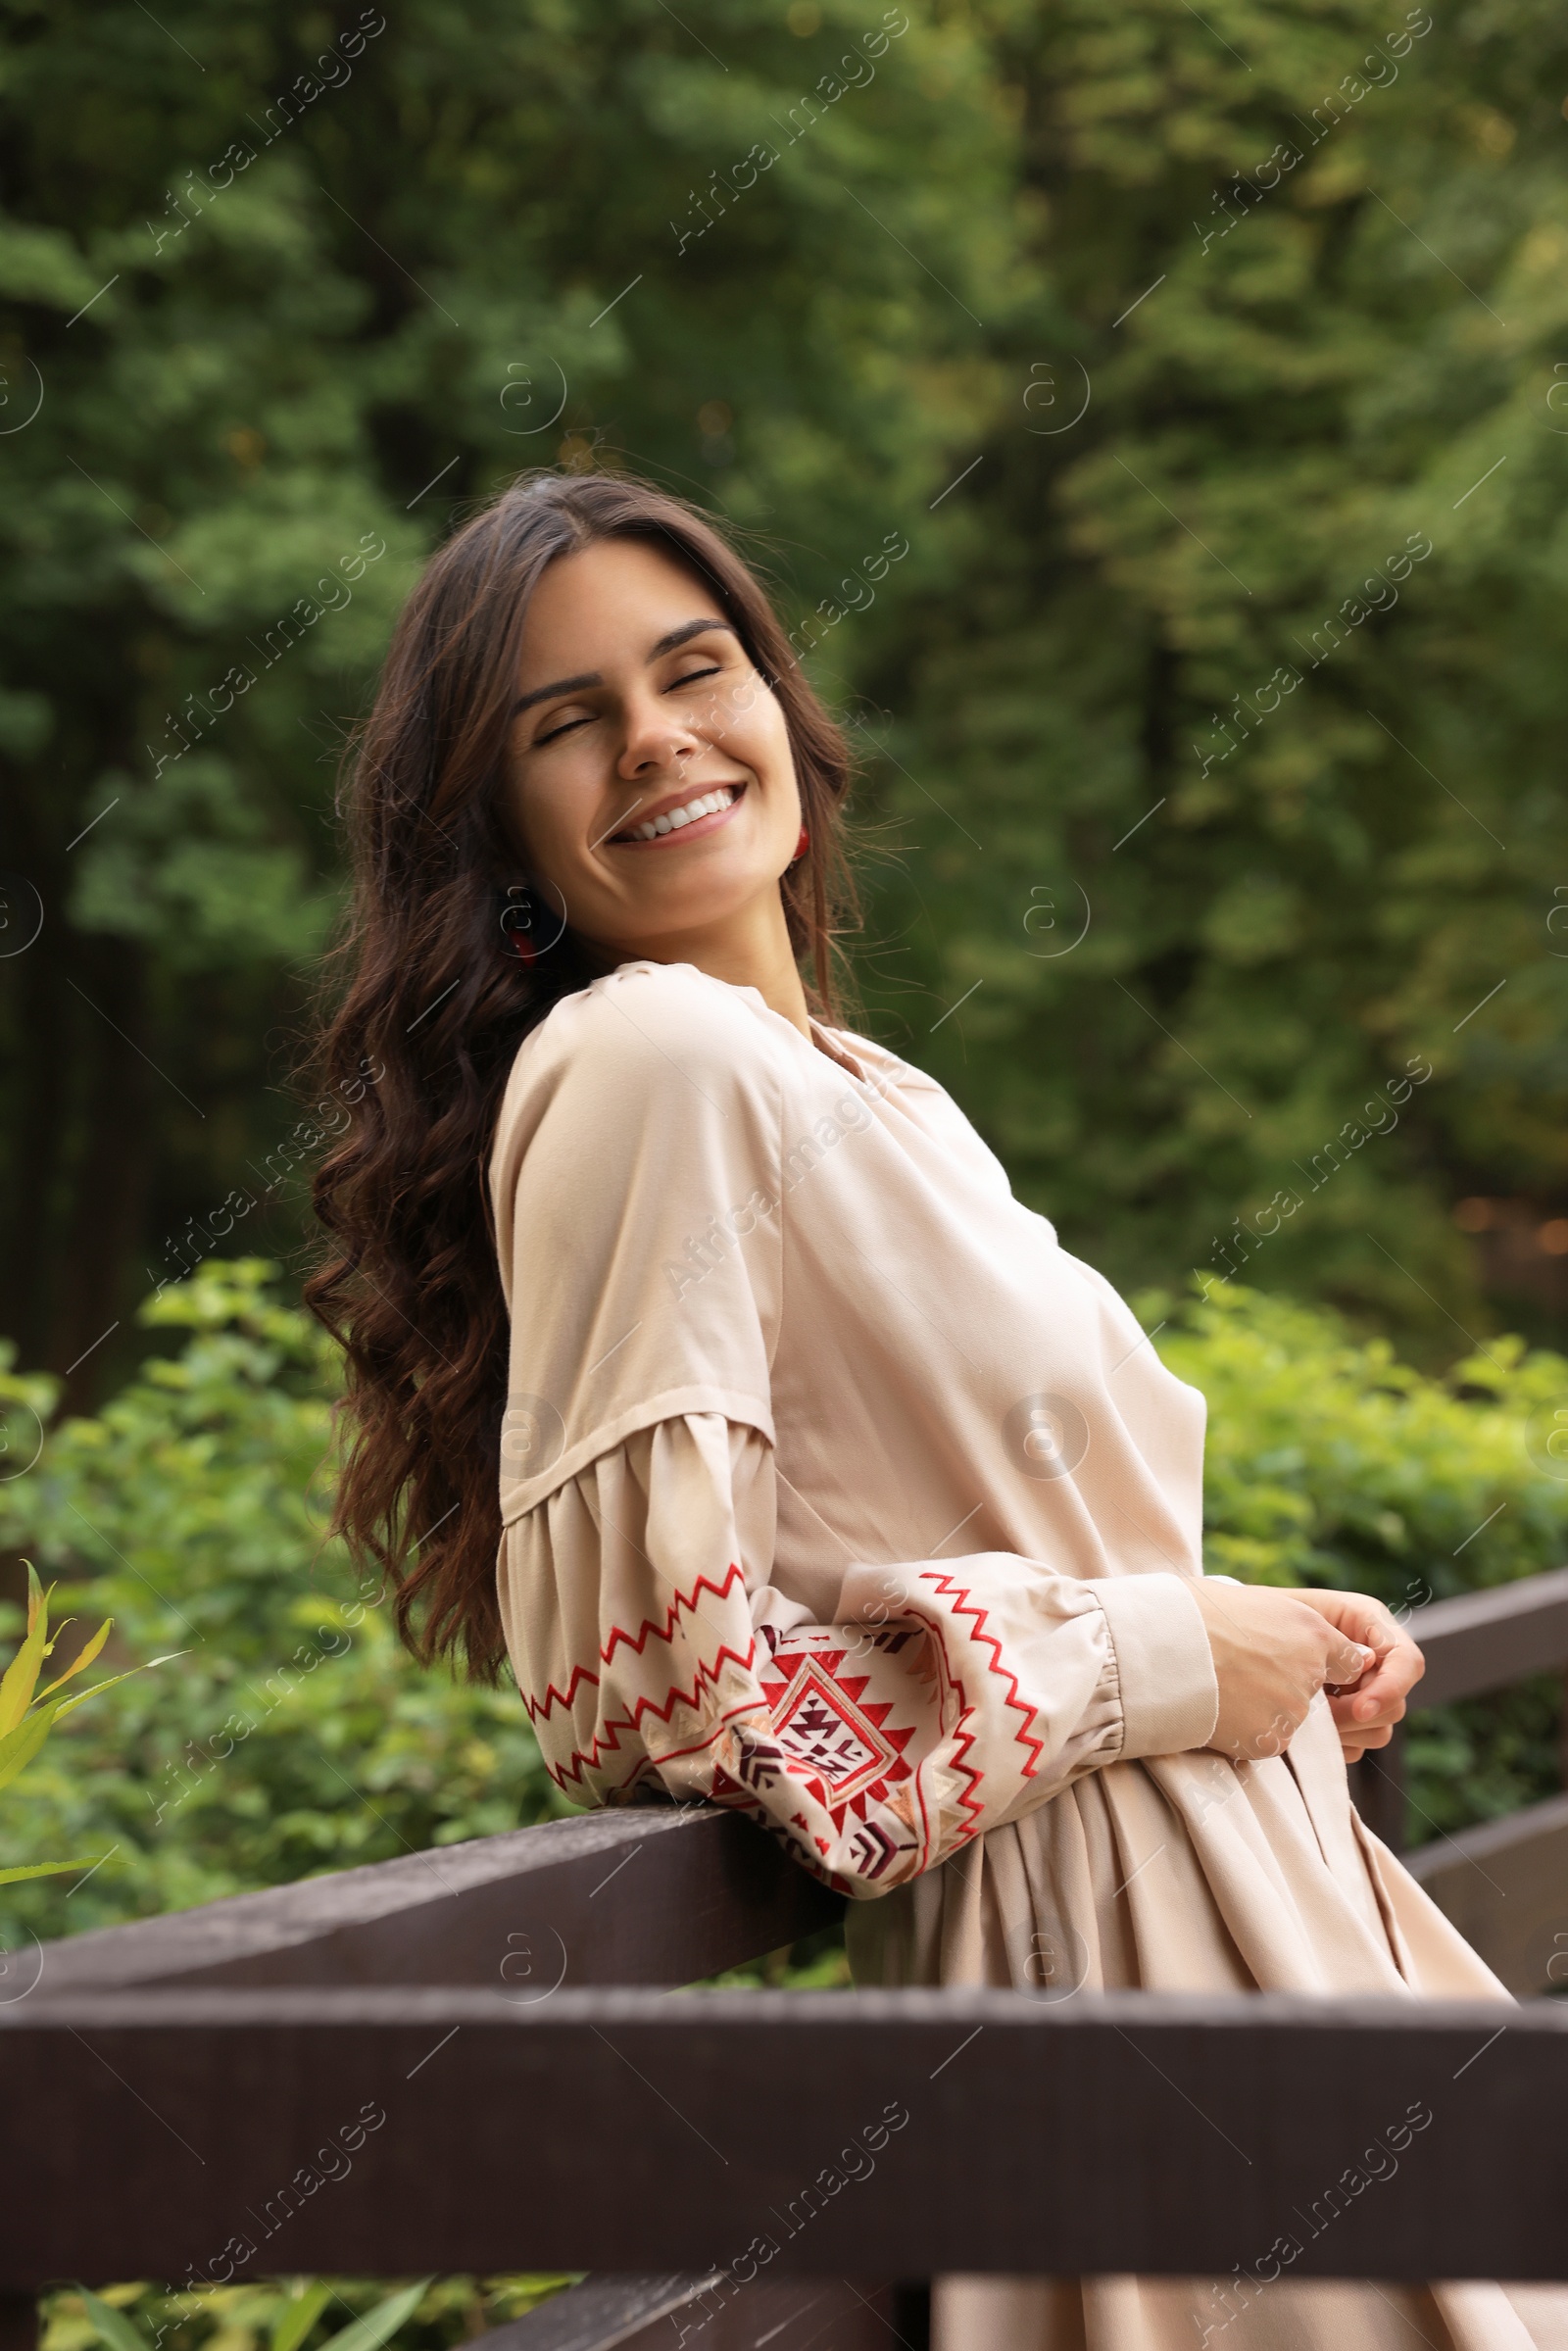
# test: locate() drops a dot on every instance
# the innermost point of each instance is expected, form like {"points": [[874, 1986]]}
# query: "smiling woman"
{"points": [[585, 658], [652, 790], [702, 1362]]}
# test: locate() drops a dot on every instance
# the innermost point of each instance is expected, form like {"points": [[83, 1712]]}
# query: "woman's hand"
{"points": [[1367, 1709], [1273, 1651]]}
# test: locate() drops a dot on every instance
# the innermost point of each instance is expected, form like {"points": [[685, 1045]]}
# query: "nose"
{"points": [[656, 737]]}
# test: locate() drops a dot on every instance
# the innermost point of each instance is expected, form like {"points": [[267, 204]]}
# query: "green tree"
{"points": [[1293, 305], [291, 1734], [295, 285]]}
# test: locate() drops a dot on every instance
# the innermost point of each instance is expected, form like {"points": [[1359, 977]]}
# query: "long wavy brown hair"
{"points": [[422, 990]]}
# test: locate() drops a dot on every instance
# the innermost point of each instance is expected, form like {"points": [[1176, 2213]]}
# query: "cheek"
{"points": [[760, 738], [533, 800], [537, 825]]}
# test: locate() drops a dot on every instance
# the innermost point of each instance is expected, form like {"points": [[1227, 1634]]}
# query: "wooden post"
{"points": [[1377, 1788], [911, 2314], [18, 2323]]}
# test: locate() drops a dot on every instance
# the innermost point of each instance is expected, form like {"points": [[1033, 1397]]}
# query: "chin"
{"points": [[677, 913]]}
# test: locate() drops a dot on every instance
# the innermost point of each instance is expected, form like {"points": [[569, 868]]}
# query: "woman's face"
{"points": [[652, 786]]}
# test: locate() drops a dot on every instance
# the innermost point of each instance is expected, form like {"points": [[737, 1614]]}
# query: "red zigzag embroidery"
{"points": [[707, 1674]]}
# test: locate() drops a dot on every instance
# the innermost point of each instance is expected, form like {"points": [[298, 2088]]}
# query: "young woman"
{"points": [[701, 1361]]}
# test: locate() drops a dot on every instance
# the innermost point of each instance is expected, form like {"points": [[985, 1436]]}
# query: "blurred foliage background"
{"points": [[1214, 370], [1161, 337], [291, 1734]]}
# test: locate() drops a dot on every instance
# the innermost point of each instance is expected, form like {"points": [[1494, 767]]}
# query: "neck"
{"points": [[750, 950]]}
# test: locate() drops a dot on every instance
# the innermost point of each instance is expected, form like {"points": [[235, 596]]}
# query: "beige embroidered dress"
{"points": [[835, 1490]]}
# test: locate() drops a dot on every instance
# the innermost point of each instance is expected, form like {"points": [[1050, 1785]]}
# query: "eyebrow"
{"points": [[594, 677]]}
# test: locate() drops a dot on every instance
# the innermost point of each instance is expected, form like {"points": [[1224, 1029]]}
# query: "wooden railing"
{"points": [[1504, 1885], [466, 2060]]}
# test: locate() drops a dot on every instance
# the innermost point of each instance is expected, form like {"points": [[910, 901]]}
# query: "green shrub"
{"points": [[1331, 1462], [294, 1735], [336, 2314]]}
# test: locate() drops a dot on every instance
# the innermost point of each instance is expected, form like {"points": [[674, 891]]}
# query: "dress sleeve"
{"points": [[652, 1651]]}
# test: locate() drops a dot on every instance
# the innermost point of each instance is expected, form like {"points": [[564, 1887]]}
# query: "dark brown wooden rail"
{"points": [[717, 2314], [854, 2134], [1505, 1884], [435, 2064], [661, 1894], [1485, 1639]]}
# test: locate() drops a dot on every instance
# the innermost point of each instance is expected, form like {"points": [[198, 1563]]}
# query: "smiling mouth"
{"points": [[703, 810]]}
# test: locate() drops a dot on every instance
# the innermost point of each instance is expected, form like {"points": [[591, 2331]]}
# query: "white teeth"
{"points": [[674, 819]]}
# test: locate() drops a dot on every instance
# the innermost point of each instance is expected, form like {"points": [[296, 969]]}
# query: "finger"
{"points": [[1400, 1664], [1397, 1661], [1347, 1662], [1358, 1740], [1394, 1677], [1370, 1622], [1354, 1614], [1347, 1710]]}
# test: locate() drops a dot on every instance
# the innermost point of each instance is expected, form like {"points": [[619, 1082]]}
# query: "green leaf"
{"points": [[21, 1674], [70, 1705], [86, 1658], [19, 1746], [112, 2325], [46, 1869], [298, 2314], [378, 2325]]}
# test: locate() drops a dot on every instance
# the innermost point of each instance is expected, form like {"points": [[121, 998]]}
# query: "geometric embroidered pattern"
{"points": [[824, 1717], [860, 1746]]}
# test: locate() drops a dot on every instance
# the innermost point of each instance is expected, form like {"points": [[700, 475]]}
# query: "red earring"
{"points": [[801, 845], [517, 923]]}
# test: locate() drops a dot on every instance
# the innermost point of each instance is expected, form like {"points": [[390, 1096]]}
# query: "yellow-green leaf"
{"points": [[47, 1869], [87, 1656], [114, 2328], [21, 1676], [64, 1706], [298, 2314], [380, 2325], [19, 1746]]}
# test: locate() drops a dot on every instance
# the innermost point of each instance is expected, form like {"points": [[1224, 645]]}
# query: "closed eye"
{"points": [[567, 726], [564, 728]]}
